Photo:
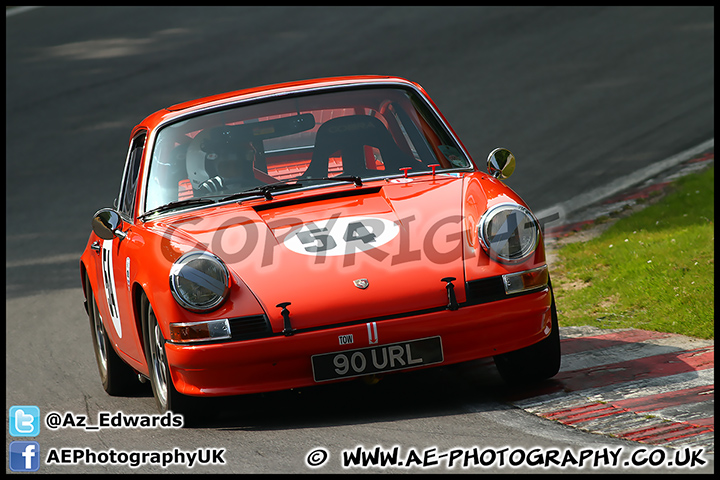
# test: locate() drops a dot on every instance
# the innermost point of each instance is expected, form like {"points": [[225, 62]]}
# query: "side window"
{"points": [[130, 178]]}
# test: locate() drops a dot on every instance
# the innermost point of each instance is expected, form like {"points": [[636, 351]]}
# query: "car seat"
{"points": [[349, 136]]}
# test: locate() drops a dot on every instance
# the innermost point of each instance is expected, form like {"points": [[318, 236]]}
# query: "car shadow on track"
{"points": [[450, 390], [588, 365]]}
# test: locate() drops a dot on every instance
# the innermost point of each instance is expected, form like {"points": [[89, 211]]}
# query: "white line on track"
{"points": [[566, 208], [10, 11]]}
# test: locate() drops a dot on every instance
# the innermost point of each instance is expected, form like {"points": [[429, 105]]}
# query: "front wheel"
{"points": [[534, 363], [166, 396]]}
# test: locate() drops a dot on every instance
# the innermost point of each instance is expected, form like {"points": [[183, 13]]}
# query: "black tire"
{"points": [[166, 396], [535, 363], [117, 377]]}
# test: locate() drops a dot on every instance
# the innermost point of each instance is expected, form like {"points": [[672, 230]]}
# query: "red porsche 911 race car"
{"points": [[309, 232]]}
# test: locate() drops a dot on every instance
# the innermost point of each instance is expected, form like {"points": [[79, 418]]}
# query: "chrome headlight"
{"points": [[199, 281], [508, 233]]}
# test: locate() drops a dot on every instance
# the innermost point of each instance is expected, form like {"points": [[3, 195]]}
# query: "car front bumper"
{"points": [[282, 362]]}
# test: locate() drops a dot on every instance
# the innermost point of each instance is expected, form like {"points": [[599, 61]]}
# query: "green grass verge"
{"points": [[653, 270]]}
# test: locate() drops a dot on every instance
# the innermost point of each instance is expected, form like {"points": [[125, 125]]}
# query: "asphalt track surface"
{"points": [[584, 97]]}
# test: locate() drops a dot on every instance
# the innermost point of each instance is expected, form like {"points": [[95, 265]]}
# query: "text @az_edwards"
{"points": [[104, 420]]}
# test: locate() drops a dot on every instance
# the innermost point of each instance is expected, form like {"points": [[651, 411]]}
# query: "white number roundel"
{"points": [[341, 236]]}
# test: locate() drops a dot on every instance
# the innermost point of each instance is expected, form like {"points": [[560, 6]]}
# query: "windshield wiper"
{"points": [[178, 204], [265, 190], [340, 178]]}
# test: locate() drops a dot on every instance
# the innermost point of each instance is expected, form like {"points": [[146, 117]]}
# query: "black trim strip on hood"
{"points": [[316, 198]]}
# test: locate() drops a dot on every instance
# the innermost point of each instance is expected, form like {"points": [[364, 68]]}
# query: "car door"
{"points": [[116, 260]]}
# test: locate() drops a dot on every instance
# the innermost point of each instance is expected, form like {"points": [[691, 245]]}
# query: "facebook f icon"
{"points": [[24, 456], [24, 421]]}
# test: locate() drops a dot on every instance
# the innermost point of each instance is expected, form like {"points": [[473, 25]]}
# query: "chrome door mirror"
{"points": [[107, 224], [501, 163]]}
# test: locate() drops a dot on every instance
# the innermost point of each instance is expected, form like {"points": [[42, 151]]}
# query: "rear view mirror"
{"points": [[107, 224], [501, 163]]}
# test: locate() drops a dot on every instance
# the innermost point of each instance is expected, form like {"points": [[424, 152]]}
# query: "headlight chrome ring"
{"points": [[199, 281], [508, 233]]}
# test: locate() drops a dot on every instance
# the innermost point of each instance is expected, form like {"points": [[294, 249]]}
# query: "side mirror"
{"points": [[107, 224], [501, 163]]}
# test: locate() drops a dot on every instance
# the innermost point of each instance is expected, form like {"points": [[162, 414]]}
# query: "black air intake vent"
{"points": [[485, 290], [245, 328]]}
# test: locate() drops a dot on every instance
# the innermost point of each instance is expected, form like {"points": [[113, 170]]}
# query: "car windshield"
{"points": [[303, 139]]}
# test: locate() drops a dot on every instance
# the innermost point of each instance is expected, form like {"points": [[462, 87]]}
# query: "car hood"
{"points": [[343, 253]]}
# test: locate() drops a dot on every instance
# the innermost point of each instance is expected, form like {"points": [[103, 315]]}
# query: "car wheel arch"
{"points": [[117, 376], [140, 302]]}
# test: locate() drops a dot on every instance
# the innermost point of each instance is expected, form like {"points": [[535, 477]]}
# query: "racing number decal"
{"points": [[109, 281], [316, 240], [341, 236]]}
